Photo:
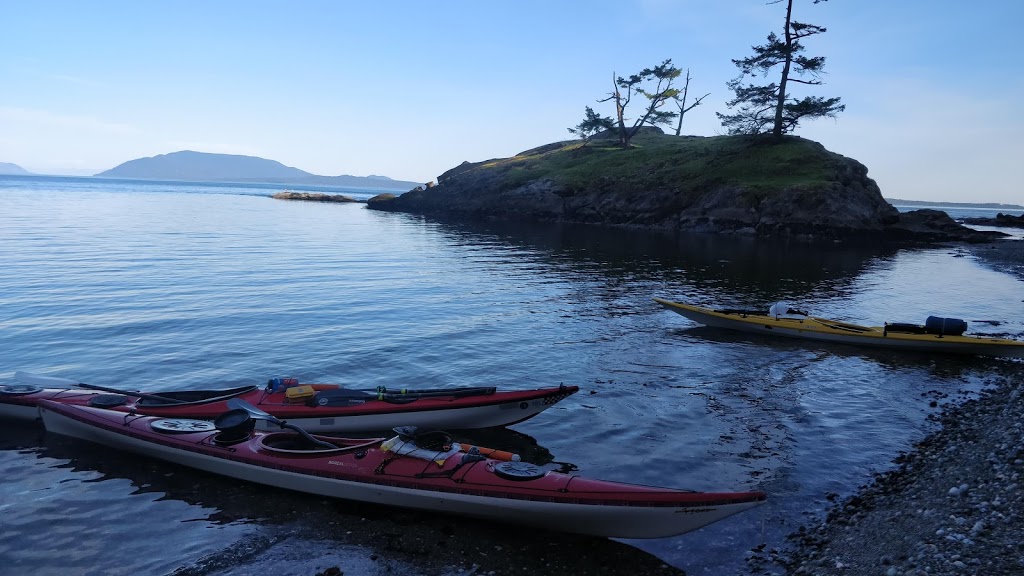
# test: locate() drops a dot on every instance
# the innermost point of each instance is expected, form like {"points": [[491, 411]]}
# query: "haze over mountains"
{"points": [[206, 167]]}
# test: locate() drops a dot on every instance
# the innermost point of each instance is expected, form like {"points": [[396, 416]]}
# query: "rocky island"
{"points": [[722, 184]]}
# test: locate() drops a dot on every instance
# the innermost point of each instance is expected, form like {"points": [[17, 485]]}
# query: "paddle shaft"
{"points": [[346, 394], [155, 397], [454, 393], [383, 393], [469, 391]]}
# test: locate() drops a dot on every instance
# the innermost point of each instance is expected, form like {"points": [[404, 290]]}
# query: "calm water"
{"points": [[175, 285]]}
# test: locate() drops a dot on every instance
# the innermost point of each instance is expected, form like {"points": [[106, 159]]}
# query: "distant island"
{"points": [[206, 167], [991, 205], [8, 169]]}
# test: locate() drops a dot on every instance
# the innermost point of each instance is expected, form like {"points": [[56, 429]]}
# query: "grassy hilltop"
{"points": [[685, 163]]}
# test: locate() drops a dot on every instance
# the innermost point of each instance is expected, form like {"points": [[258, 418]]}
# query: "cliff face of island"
{"points": [[723, 184]]}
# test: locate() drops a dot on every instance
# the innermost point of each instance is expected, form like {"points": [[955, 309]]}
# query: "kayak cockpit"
{"points": [[291, 443], [185, 397]]}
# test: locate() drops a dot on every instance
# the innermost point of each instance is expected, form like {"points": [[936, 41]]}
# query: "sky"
{"points": [[934, 89]]}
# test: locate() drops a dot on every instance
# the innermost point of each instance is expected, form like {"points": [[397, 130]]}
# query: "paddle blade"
{"points": [[238, 403], [44, 381]]}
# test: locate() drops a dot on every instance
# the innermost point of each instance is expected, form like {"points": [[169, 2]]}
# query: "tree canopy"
{"points": [[592, 124], [760, 107], [653, 83]]}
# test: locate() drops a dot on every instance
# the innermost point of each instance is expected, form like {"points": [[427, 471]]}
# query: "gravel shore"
{"points": [[954, 505]]}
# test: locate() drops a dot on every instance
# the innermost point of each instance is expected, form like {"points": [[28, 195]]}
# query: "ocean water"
{"points": [[174, 285]]}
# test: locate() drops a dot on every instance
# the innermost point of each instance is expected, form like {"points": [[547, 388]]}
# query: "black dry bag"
{"points": [[945, 326]]}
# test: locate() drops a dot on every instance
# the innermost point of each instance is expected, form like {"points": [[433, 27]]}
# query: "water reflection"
{"points": [[751, 270], [940, 365], [101, 496]]}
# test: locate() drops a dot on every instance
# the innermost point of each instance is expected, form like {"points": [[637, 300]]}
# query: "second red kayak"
{"points": [[314, 407]]}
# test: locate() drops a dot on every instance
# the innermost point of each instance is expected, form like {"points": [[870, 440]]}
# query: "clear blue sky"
{"points": [[934, 90]]}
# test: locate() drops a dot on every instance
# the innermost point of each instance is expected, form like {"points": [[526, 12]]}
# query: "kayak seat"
{"points": [[108, 400], [229, 438]]}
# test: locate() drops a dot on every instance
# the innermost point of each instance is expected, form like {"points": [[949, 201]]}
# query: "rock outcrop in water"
{"points": [[722, 184], [935, 226], [1005, 220], [312, 197]]}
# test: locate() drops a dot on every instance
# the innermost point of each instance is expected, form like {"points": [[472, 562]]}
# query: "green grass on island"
{"points": [[661, 160]]}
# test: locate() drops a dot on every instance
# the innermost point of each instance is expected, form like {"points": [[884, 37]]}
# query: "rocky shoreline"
{"points": [[954, 505]]}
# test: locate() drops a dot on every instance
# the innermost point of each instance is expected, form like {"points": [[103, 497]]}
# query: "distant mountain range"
{"points": [[7, 168], [205, 167], [992, 205]]}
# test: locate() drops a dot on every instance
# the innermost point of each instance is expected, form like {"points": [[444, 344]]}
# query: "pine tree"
{"points": [[623, 90], [762, 106], [592, 124]]}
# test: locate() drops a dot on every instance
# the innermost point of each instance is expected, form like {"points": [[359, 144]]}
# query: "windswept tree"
{"points": [[681, 102], [592, 124], [653, 83], [760, 107]]}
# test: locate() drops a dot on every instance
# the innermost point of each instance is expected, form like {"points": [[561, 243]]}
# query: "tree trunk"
{"points": [[777, 129], [682, 107], [620, 112]]}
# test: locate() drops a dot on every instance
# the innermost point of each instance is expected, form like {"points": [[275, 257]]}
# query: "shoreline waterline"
{"points": [[953, 505]]}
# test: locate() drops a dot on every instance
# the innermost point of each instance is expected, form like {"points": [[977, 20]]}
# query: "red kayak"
{"points": [[407, 471], [314, 407]]}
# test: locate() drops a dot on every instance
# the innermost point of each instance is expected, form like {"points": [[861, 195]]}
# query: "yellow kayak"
{"points": [[897, 336]]}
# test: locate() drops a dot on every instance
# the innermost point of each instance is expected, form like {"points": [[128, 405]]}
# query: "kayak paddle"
{"points": [[50, 381], [254, 412]]}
